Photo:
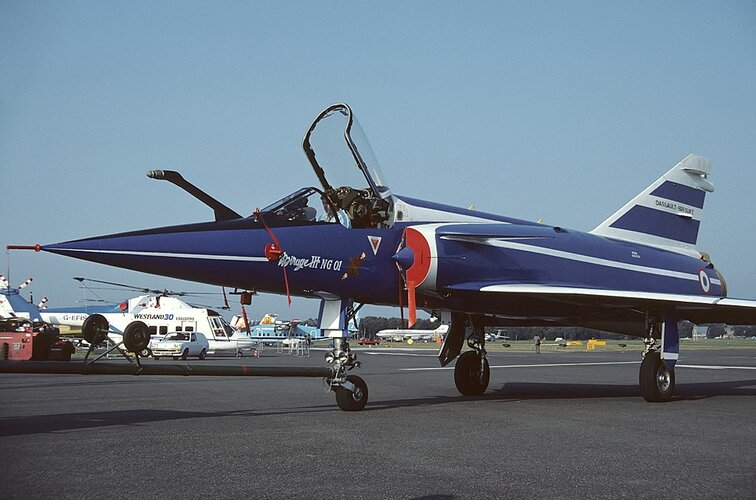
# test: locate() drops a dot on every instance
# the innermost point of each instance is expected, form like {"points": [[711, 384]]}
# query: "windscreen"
{"points": [[341, 154]]}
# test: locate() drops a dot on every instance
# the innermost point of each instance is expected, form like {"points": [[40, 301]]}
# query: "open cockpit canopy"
{"points": [[353, 189], [346, 167]]}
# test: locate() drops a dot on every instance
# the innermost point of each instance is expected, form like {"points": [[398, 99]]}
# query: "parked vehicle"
{"points": [[181, 345], [366, 341]]}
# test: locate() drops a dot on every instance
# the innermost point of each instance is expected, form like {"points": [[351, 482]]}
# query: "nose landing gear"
{"points": [[351, 390]]}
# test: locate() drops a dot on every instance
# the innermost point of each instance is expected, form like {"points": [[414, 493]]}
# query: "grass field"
{"points": [[611, 345]]}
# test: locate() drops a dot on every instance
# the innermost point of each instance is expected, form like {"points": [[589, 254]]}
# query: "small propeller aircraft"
{"points": [[351, 240]]}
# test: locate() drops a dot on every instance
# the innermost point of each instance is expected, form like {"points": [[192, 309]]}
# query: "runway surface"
{"points": [[554, 425]]}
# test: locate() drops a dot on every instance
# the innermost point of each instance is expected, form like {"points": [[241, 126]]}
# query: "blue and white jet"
{"points": [[351, 240]]}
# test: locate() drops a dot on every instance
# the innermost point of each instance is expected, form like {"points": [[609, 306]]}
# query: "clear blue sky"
{"points": [[560, 110]]}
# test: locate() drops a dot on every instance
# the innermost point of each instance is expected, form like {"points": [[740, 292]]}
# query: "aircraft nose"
{"points": [[36, 247]]}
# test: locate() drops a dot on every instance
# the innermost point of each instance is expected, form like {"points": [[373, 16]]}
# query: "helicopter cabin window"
{"points": [[163, 330], [152, 330], [189, 329], [178, 329], [217, 326]]}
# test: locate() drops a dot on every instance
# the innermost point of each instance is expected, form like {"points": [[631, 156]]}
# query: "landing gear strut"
{"points": [[351, 391], [472, 373]]}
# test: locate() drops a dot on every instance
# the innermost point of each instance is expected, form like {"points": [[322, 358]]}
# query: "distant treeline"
{"points": [[370, 325]]}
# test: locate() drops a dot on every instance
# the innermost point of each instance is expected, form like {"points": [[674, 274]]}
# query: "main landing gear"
{"points": [[657, 372], [351, 391], [471, 373]]}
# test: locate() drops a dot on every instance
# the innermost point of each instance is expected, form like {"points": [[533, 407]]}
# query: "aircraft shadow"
{"points": [[513, 391], [41, 424], [517, 391]]}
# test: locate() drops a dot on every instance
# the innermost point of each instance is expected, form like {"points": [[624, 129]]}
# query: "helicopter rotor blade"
{"points": [[122, 285]]}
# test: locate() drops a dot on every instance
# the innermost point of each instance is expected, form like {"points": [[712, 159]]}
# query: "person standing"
{"points": [[537, 342]]}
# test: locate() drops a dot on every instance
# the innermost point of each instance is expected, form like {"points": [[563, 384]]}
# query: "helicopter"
{"points": [[152, 313]]}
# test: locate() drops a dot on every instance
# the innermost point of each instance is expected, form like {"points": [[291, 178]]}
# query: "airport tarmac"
{"points": [[554, 425]]}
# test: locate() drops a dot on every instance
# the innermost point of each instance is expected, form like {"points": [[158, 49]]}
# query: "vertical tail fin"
{"points": [[668, 212]]}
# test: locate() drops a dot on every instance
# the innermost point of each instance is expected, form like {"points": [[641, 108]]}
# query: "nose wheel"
{"points": [[351, 391], [352, 394]]}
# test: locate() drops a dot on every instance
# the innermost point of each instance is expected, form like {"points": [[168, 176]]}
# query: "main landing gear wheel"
{"points": [[95, 329], [354, 399], [470, 375], [136, 337], [657, 380]]}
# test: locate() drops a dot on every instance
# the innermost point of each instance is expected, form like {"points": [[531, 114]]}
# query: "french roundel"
{"points": [[704, 281], [422, 252]]}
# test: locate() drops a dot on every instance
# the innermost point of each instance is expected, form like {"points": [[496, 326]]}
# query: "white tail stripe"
{"points": [[596, 260], [171, 255]]}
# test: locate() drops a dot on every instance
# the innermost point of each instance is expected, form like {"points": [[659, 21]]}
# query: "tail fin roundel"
{"points": [[668, 212]]}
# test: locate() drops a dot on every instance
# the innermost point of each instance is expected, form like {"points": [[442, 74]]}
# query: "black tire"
{"points": [[185, 354], [467, 376], [136, 336], [202, 354], [657, 380], [155, 357], [353, 400], [95, 329]]}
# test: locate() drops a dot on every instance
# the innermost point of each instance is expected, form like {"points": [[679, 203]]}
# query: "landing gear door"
{"points": [[454, 340], [346, 167]]}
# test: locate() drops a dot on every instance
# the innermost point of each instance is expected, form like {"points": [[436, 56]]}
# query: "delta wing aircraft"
{"points": [[351, 240]]}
